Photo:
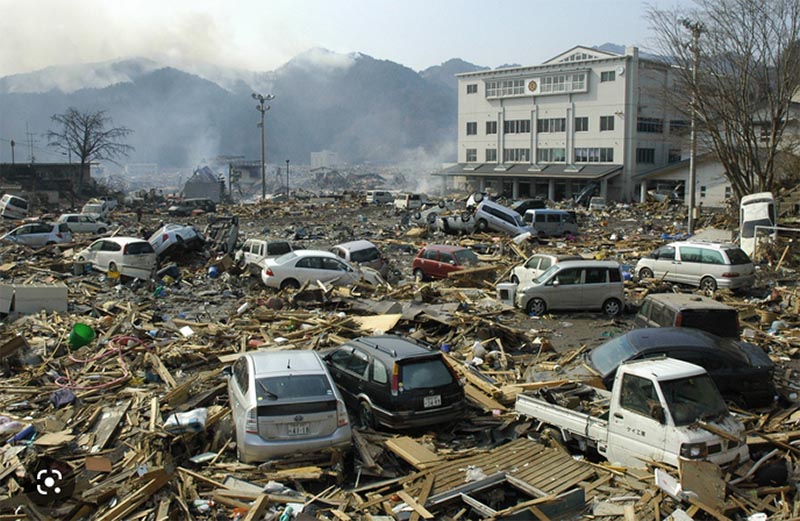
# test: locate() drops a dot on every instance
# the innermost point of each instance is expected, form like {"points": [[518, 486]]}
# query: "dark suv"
{"points": [[189, 206], [688, 310], [396, 382]]}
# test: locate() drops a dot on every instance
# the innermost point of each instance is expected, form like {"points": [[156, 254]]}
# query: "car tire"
{"points": [[612, 307], [465, 217], [477, 197], [112, 266], [417, 216], [442, 204], [536, 306], [81, 259], [482, 225], [101, 231], [645, 273], [432, 217], [708, 284], [366, 418], [514, 279], [419, 275], [290, 283]]}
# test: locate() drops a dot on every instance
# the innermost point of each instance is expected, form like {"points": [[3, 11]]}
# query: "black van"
{"points": [[396, 382], [688, 310]]}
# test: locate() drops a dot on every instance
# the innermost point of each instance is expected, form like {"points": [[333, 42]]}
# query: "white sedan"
{"points": [[176, 238], [297, 267], [82, 223], [537, 264]]}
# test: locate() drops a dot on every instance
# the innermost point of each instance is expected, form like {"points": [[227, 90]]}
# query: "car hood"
{"points": [[756, 355]]}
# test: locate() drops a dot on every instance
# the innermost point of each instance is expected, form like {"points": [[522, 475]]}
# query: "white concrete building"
{"points": [[585, 116]]}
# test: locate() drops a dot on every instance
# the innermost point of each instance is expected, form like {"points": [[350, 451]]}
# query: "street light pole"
{"points": [[695, 28], [287, 179], [262, 107]]}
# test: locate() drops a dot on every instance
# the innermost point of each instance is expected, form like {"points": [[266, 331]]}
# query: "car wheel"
{"points": [[441, 204], [465, 217], [290, 283], [612, 307], [365, 416], [417, 216], [514, 279], [541, 235], [645, 273], [419, 275], [81, 259], [482, 225], [101, 231], [537, 307], [112, 266], [432, 218], [477, 197], [708, 284]]}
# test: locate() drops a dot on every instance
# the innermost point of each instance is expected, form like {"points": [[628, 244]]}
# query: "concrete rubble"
{"points": [[119, 414]]}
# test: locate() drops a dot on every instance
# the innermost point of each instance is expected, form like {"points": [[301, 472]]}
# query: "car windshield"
{"points": [[518, 220], [285, 258], [425, 374], [366, 255], [546, 274], [292, 387], [749, 227], [607, 357], [737, 256], [93, 208], [466, 257], [693, 398]]}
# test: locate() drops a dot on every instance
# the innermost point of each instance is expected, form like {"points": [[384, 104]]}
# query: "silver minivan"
{"points": [[285, 402], [707, 265], [577, 284], [551, 223], [492, 216]]}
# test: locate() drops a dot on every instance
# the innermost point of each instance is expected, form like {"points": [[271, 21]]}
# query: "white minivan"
{"points": [[551, 223], [129, 256], [379, 197], [13, 207], [492, 216]]}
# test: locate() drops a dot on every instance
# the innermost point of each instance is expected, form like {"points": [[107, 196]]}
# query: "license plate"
{"points": [[298, 429], [432, 401]]}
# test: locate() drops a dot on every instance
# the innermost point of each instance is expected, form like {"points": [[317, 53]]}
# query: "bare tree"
{"points": [[87, 136], [748, 69]]}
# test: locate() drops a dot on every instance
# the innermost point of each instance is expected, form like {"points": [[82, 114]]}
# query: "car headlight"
{"points": [[694, 450]]}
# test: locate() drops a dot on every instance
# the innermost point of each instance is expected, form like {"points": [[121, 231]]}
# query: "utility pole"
{"points": [[287, 179], [12, 151], [696, 28], [262, 107]]}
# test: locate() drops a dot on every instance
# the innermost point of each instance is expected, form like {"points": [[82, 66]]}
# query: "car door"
{"points": [[634, 432], [665, 265], [338, 272], [566, 289], [87, 225], [690, 267], [238, 388], [98, 256], [40, 234], [447, 264], [338, 363], [595, 287]]}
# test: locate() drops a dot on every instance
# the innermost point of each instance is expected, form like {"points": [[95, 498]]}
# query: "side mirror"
{"points": [[451, 262], [657, 413], [556, 282], [227, 371]]}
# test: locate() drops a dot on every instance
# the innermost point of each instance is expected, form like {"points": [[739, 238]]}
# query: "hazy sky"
{"points": [[264, 34]]}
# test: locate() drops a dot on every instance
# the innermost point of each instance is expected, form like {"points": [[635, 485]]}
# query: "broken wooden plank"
{"points": [[412, 452]]}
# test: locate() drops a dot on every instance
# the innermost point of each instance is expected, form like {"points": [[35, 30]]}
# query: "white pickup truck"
{"points": [[653, 413]]}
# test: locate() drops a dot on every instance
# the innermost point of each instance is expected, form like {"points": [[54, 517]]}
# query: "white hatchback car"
{"points": [[300, 266], [129, 256], [285, 402], [39, 234], [536, 264], [82, 223]]}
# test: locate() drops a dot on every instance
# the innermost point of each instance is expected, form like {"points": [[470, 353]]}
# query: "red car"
{"points": [[435, 261]]}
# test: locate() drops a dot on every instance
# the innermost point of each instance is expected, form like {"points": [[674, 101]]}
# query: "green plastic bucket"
{"points": [[80, 335]]}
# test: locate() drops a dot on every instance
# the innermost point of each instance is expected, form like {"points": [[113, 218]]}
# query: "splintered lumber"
{"points": [[108, 424], [155, 480], [410, 501], [411, 451], [257, 510], [422, 497], [471, 271]]}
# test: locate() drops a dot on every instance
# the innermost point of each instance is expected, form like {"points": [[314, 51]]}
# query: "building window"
{"points": [[651, 125], [578, 56], [679, 127], [702, 191], [607, 76], [563, 83], [764, 134], [472, 128], [594, 155], [606, 123], [517, 126], [504, 88], [551, 155], [491, 127], [472, 88], [582, 124], [491, 155], [516, 155], [646, 155], [551, 125], [728, 192], [472, 155], [674, 155]]}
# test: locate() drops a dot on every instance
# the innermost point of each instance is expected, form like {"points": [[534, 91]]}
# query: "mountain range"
{"points": [[367, 110]]}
